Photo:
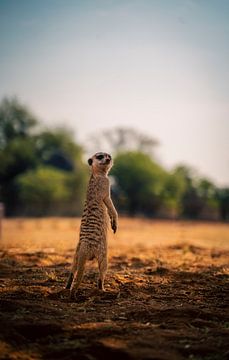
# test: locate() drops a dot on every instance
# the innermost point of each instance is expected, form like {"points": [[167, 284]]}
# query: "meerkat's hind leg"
{"points": [[102, 262], [78, 275], [70, 280]]}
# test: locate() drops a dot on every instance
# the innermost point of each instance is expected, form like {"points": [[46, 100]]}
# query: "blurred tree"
{"points": [[58, 148], [186, 173], [191, 203], [24, 147], [171, 197], [207, 192], [140, 181], [47, 190], [15, 121], [43, 189], [18, 156], [122, 139], [42, 170], [198, 200], [223, 198], [17, 150]]}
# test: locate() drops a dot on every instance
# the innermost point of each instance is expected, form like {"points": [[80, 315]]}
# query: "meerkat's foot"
{"points": [[101, 285]]}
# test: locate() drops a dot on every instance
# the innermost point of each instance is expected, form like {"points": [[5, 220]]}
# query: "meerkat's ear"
{"points": [[90, 161]]}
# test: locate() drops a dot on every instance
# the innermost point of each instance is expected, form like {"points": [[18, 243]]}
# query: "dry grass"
{"points": [[133, 235]]}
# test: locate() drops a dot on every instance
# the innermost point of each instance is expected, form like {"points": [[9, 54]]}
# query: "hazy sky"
{"points": [[160, 66]]}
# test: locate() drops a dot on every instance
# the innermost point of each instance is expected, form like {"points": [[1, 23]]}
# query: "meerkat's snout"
{"points": [[108, 159]]}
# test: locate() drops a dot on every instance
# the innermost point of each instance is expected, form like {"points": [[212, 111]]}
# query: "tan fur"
{"points": [[93, 230]]}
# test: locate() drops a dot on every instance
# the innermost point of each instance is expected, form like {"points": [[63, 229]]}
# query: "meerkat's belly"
{"points": [[94, 224]]}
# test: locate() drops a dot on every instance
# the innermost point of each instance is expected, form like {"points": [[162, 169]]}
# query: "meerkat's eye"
{"points": [[99, 157]]}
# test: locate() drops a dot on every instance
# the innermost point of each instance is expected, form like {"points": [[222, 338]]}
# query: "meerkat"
{"points": [[94, 223]]}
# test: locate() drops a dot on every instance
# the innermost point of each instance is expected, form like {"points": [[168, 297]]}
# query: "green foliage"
{"points": [[47, 190], [17, 150], [43, 185], [171, 197], [29, 158], [16, 121], [142, 186], [18, 156], [223, 198], [42, 172], [77, 183], [59, 142], [141, 181], [199, 200]]}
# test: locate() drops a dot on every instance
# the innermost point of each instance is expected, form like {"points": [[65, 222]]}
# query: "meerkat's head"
{"points": [[101, 162]]}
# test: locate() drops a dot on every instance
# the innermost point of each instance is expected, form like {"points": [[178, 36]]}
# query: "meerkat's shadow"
{"points": [[94, 296]]}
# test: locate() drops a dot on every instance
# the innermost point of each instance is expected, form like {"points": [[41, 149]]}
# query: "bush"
{"points": [[43, 190], [140, 181]]}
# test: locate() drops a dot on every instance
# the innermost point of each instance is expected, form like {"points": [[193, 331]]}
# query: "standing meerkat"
{"points": [[93, 229]]}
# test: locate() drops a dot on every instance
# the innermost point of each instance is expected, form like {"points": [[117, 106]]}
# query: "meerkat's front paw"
{"points": [[114, 225]]}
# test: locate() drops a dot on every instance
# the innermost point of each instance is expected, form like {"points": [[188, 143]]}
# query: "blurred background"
{"points": [[147, 81]]}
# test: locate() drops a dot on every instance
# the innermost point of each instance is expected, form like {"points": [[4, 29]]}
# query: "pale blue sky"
{"points": [[160, 66]]}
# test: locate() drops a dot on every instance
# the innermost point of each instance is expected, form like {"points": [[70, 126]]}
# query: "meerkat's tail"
{"points": [[79, 273], [72, 272]]}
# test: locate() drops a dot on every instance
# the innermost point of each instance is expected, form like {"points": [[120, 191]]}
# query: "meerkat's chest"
{"points": [[95, 211]]}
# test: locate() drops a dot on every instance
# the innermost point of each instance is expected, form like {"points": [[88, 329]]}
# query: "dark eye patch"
{"points": [[99, 157]]}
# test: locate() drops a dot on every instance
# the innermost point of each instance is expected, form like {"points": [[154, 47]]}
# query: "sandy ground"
{"points": [[166, 296]]}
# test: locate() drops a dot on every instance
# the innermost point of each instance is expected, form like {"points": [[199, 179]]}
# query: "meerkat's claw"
{"points": [[113, 226]]}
